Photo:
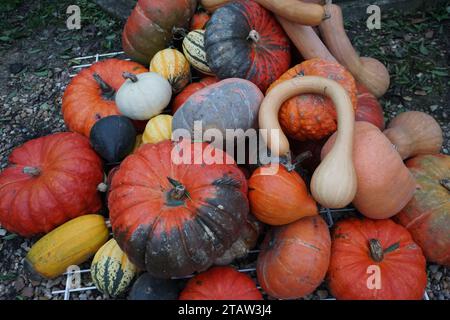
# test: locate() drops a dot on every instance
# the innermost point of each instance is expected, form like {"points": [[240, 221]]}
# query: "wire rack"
{"points": [[330, 215]]}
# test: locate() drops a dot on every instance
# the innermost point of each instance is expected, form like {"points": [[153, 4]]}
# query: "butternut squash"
{"points": [[310, 14], [333, 184], [414, 133], [306, 40], [368, 71], [70, 244]]}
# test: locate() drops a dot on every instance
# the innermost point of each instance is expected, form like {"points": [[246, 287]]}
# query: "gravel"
{"points": [[33, 76]]}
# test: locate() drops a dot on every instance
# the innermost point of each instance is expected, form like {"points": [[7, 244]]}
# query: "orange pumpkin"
{"points": [[375, 260], [294, 258], [190, 90], [90, 95], [368, 108], [279, 198], [312, 116], [199, 21]]}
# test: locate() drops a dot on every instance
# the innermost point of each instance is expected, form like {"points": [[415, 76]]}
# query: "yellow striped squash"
{"points": [[111, 270], [194, 50], [172, 65], [72, 243], [158, 129]]}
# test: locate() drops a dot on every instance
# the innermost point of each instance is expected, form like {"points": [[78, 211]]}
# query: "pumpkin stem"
{"points": [[179, 191], [108, 92], [298, 160], [445, 183], [102, 187], [131, 76], [376, 251], [327, 14], [32, 171], [254, 36]]}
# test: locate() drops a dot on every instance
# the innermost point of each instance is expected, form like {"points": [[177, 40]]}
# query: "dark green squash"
{"points": [[147, 287], [113, 138]]}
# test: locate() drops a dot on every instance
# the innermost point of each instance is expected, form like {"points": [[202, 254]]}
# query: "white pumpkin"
{"points": [[143, 96]]}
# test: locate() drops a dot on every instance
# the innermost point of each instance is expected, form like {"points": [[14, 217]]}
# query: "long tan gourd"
{"points": [[368, 71], [334, 183], [310, 14], [306, 40], [414, 133]]}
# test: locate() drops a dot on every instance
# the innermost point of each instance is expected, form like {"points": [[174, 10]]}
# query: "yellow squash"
{"points": [[158, 129], [70, 244], [173, 66]]}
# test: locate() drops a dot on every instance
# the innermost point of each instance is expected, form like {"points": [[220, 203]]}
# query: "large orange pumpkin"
{"points": [[50, 180], [90, 95], [375, 259], [312, 116], [427, 215], [221, 283], [174, 217], [294, 258], [279, 198]]}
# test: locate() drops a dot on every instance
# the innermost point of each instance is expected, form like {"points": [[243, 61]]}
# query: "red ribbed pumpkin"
{"points": [[50, 180], [90, 95], [190, 90], [175, 219], [294, 258], [427, 215], [312, 116], [243, 40], [368, 108], [375, 260], [221, 283], [151, 26]]}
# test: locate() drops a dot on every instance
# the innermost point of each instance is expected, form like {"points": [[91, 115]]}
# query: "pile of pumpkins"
{"points": [[172, 220]]}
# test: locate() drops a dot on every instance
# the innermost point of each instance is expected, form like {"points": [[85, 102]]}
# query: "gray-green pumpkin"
{"points": [[111, 270]]}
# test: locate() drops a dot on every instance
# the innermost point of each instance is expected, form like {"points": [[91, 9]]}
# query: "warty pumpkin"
{"points": [[152, 24], [173, 217], [313, 116], [243, 40], [221, 283], [279, 198], [111, 270], [427, 215], [49, 181], [415, 133], [90, 95], [173, 66], [385, 185], [375, 260], [158, 129], [190, 90], [294, 258], [72, 243]]}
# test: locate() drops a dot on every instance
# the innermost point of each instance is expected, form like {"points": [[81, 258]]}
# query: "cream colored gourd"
{"points": [[158, 129], [368, 71], [306, 40], [309, 14], [194, 50], [414, 133], [334, 183], [143, 96]]}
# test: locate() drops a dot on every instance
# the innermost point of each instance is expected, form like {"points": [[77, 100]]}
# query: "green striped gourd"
{"points": [[194, 50], [111, 270]]}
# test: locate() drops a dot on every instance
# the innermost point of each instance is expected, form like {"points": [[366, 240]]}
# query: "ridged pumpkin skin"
{"points": [[49, 181], [173, 66], [368, 108], [111, 270], [294, 258], [181, 98], [151, 26], [279, 198], [194, 50], [84, 102], [427, 215], [243, 40], [221, 283], [385, 185], [70, 244], [158, 129], [312, 116], [402, 269], [174, 219]]}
